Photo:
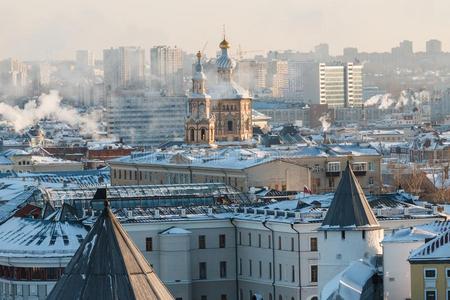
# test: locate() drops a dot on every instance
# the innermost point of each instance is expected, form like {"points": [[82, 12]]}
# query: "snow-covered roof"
{"points": [[24, 237], [239, 158], [349, 284], [175, 230], [436, 249]]}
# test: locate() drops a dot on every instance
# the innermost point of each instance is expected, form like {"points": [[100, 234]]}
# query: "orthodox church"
{"points": [[224, 112]]}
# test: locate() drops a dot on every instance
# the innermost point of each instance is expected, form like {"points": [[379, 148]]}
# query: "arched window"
{"points": [[270, 296], [230, 125], [280, 297], [203, 134], [191, 134], [314, 298]]}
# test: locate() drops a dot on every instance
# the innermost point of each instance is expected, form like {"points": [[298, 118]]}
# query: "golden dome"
{"points": [[199, 54], [224, 44]]}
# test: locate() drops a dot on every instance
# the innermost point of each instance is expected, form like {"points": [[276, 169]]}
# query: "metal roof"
{"points": [[349, 207], [108, 265]]}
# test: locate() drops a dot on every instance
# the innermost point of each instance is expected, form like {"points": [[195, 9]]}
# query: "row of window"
{"points": [[313, 271], [253, 297], [312, 242], [202, 270], [363, 234], [222, 242], [29, 274], [201, 242]]}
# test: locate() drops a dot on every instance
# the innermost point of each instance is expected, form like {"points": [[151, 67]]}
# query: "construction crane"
{"points": [[240, 53]]}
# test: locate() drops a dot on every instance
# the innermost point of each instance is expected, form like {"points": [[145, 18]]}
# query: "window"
{"points": [[430, 295], [447, 271], [202, 270], [260, 269], [270, 242], [240, 266], [191, 135], [280, 297], [292, 244], [203, 134], [222, 241], [279, 243], [203, 297], [313, 244], [316, 168], [270, 270], [325, 234], [334, 166], [430, 273], [370, 180], [343, 234], [314, 273], [259, 240], [371, 166], [250, 267], [363, 234], [223, 297], [240, 238], [293, 273], [249, 239], [359, 167], [280, 272], [223, 269], [230, 125], [148, 244], [241, 294], [201, 242]]}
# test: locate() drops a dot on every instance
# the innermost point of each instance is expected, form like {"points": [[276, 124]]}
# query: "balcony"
{"points": [[332, 173]]}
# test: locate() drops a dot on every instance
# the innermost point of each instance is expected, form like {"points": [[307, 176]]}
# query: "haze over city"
{"points": [[225, 150], [54, 29]]}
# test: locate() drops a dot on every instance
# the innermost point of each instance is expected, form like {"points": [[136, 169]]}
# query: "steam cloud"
{"points": [[326, 124], [48, 106], [387, 101]]}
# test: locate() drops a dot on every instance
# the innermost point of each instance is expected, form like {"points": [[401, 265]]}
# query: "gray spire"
{"points": [[107, 266], [349, 208]]}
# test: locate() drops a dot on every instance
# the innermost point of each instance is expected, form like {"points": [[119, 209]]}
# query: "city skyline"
{"points": [[54, 30]]}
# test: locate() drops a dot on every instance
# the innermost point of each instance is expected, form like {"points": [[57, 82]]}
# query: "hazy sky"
{"points": [[38, 29]]}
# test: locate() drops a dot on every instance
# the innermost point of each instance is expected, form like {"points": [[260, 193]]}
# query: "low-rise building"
{"points": [[430, 269], [317, 167]]}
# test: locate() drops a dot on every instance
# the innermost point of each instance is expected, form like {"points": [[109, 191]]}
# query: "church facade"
{"points": [[224, 114]]}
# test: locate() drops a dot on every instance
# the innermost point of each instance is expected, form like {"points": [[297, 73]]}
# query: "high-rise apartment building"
{"points": [[84, 58], [277, 77], [141, 117], [340, 85], [434, 47], [166, 68], [123, 67], [13, 77], [322, 52]]}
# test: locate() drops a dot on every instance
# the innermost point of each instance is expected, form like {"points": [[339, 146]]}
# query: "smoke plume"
{"points": [[48, 106], [326, 123]]}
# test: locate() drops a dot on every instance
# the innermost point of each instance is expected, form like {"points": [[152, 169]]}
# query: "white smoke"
{"points": [[326, 123], [386, 101], [382, 101], [48, 106]]}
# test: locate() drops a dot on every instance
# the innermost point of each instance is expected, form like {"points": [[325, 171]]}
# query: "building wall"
{"points": [[396, 269], [241, 246], [336, 253], [418, 284], [276, 174]]}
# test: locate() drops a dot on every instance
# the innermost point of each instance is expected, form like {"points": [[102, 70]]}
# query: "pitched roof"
{"points": [[437, 249], [349, 207], [108, 265]]}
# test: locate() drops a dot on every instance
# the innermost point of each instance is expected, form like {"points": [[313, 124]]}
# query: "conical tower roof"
{"points": [[108, 265], [349, 208]]}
